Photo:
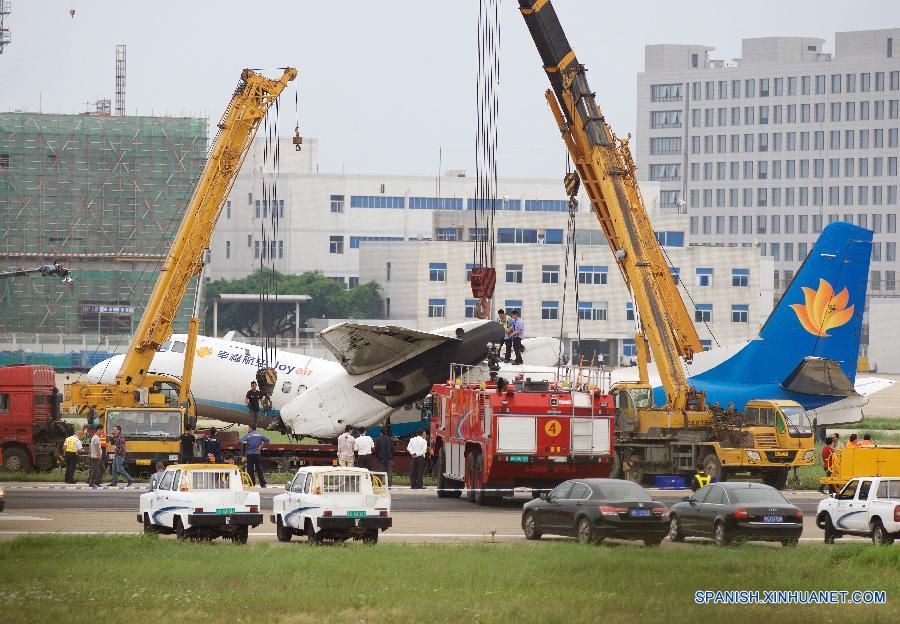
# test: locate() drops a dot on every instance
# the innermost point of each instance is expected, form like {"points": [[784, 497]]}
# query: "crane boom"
{"points": [[607, 170], [248, 106]]}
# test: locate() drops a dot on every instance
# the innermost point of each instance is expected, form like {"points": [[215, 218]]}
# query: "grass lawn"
{"points": [[878, 423], [143, 579]]}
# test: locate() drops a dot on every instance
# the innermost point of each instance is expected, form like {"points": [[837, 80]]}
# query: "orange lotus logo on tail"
{"points": [[823, 310], [204, 351]]}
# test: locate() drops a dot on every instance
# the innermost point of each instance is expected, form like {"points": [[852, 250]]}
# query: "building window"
{"points": [[666, 92], [674, 272], [470, 307], [227, 205], [435, 203], [513, 305], [256, 249], [550, 274], [547, 205], [704, 277], [387, 307], [352, 282], [437, 308], [553, 236], [703, 313], [549, 310], [446, 233], [478, 234], [387, 271], [336, 244], [588, 274], [628, 348], [281, 249], [437, 272], [665, 119], [589, 311], [337, 203], [376, 201], [469, 267], [516, 235], [513, 274], [669, 199], [629, 310], [227, 249], [740, 313], [356, 240], [670, 239], [661, 146], [665, 173], [740, 277]]}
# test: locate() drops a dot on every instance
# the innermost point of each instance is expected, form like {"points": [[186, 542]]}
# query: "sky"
{"points": [[383, 86]]}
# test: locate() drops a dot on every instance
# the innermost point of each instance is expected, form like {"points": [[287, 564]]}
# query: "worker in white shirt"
{"points": [[96, 448], [417, 447], [70, 448], [345, 447], [363, 447]]}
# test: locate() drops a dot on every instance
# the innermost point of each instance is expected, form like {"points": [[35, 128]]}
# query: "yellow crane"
{"points": [[154, 409], [684, 432]]}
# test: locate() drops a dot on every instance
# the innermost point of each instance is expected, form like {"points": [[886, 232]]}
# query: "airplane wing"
{"points": [[867, 386], [364, 348]]}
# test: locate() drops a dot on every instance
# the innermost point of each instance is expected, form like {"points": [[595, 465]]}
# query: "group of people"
{"points": [[363, 451], [73, 444], [833, 443], [514, 332]]}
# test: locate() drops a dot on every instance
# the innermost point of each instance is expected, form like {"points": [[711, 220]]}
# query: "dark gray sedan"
{"points": [[727, 512], [594, 509]]}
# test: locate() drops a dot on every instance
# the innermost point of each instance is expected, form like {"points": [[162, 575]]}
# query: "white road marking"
{"points": [[15, 518]]}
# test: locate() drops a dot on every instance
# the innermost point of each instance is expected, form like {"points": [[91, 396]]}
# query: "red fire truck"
{"points": [[491, 436], [31, 432]]}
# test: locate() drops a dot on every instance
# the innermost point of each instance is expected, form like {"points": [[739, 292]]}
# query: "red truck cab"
{"points": [[494, 436], [31, 432]]}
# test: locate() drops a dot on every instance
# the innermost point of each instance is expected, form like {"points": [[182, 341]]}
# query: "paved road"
{"points": [[58, 497]]}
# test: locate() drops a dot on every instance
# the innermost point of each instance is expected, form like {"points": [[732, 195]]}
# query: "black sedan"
{"points": [[594, 509], [727, 512]]}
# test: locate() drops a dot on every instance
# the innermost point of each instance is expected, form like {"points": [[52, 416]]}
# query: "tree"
{"points": [[330, 299]]}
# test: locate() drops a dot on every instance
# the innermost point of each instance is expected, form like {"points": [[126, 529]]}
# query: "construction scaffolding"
{"points": [[105, 196]]}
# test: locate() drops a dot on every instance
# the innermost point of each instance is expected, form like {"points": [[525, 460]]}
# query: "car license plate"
{"points": [[640, 513], [356, 514], [517, 458], [559, 459], [142, 462], [225, 511], [773, 518]]}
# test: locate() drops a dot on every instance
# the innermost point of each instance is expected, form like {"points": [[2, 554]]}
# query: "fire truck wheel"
{"points": [[16, 459], [446, 488], [616, 471], [529, 527]]}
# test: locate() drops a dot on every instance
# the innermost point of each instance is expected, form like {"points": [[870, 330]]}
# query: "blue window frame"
{"points": [[629, 311], [437, 308], [629, 349], [513, 305], [706, 344], [435, 203], [589, 311], [670, 239], [478, 234], [517, 235], [740, 313], [550, 274], [356, 240], [446, 233], [740, 277], [546, 205], [554, 237], [470, 307], [498, 204], [514, 274], [549, 310], [376, 201], [592, 274], [704, 277], [469, 267], [703, 313], [674, 272], [437, 271]]}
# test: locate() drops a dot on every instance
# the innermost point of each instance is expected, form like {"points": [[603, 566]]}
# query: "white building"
{"points": [[429, 281], [767, 149], [323, 218]]}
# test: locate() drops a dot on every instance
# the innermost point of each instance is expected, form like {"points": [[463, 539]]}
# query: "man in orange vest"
{"points": [[867, 441]]}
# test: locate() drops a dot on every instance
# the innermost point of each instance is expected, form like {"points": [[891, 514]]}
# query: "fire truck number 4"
{"points": [[553, 428]]}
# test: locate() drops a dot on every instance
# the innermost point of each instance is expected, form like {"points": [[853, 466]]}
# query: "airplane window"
{"points": [[301, 389], [178, 347], [286, 387], [165, 346]]}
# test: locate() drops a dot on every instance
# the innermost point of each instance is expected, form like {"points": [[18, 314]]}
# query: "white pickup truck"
{"points": [[865, 506], [329, 502], [201, 501]]}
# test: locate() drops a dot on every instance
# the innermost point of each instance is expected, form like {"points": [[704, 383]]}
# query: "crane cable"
{"points": [[268, 286], [572, 184], [487, 103]]}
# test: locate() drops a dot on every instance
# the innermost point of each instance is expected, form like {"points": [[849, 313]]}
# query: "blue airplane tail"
{"points": [[815, 327]]}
